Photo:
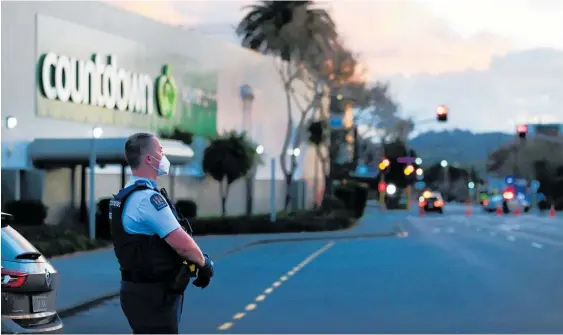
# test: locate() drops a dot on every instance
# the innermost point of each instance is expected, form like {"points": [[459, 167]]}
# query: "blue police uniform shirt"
{"points": [[146, 212]]}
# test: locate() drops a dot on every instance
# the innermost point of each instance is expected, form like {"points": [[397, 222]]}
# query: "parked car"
{"points": [[431, 202], [29, 284]]}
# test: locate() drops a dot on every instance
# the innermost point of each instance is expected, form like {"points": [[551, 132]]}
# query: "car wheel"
{"points": [[526, 209], [441, 211]]}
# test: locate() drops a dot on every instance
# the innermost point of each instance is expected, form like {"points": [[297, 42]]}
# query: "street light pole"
{"points": [[247, 97], [96, 133]]}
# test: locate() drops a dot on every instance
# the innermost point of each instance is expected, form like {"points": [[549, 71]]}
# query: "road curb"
{"points": [[73, 310]]}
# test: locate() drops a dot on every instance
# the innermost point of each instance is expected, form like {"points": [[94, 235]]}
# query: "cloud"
{"points": [[403, 37], [392, 36], [522, 86]]}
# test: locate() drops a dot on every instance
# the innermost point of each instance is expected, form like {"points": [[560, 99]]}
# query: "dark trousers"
{"points": [[150, 308]]}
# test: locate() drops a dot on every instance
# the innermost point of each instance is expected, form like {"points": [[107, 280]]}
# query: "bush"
{"points": [[27, 212], [354, 196], [307, 221], [188, 208], [56, 240], [330, 204]]}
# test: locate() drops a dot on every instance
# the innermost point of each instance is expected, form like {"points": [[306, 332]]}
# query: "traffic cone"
{"points": [[552, 211], [517, 211], [499, 211], [468, 211]]}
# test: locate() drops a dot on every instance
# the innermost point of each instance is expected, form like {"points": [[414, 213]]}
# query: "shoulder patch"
{"points": [[158, 201]]}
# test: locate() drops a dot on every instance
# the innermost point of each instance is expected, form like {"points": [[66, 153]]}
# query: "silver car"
{"points": [[29, 284]]}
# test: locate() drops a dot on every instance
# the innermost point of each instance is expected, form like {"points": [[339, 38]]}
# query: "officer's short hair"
{"points": [[136, 146]]}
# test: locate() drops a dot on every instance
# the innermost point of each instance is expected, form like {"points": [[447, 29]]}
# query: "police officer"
{"points": [[150, 244]]}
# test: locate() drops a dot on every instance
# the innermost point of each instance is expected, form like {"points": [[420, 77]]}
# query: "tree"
{"points": [[178, 134], [337, 71], [227, 158], [378, 119], [519, 158], [291, 31]]}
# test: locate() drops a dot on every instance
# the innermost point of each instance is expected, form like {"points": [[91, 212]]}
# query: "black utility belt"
{"points": [[136, 277]]}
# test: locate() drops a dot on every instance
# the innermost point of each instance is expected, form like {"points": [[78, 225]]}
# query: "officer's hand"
{"points": [[205, 273]]}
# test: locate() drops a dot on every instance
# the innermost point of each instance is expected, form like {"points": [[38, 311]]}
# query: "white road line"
{"points": [[436, 230], [493, 233], [511, 238], [537, 245], [450, 230]]}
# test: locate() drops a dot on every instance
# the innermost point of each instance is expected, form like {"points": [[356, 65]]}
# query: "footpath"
{"points": [[91, 277]]}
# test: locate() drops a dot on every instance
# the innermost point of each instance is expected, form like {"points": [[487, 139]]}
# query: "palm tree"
{"points": [[289, 29], [293, 31]]}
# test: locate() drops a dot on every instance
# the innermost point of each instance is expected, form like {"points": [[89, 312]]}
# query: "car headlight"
{"points": [[391, 189]]}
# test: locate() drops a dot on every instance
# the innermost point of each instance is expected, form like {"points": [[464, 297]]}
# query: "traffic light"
{"points": [[522, 130], [384, 164], [381, 187], [442, 113]]}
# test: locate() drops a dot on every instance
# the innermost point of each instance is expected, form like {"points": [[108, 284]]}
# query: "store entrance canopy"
{"points": [[58, 152]]}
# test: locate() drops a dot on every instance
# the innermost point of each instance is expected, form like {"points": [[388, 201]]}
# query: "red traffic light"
{"points": [[381, 186], [442, 110], [442, 113], [522, 130]]}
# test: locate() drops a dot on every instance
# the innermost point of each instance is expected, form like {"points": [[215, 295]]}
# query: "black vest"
{"points": [[142, 258]]}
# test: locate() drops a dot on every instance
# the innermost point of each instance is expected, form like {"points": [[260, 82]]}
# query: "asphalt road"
{"points": [[452, 273]]}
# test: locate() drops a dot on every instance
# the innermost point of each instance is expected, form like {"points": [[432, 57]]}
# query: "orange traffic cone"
{"points": [[552, 211], [499, 210], [517, 211], [468, 211]]}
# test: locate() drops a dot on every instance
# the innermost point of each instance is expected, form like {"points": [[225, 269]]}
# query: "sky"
{"points": [[494, 63]]}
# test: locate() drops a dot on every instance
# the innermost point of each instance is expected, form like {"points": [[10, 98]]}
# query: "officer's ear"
{"points": [[148, 159]]}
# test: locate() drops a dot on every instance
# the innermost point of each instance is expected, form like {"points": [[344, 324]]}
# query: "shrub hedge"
{"points": [[337, 212], [56, 240], [27, 212]]}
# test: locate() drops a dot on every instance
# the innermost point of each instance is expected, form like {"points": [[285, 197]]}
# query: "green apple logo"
{"points": [[166, 93]]}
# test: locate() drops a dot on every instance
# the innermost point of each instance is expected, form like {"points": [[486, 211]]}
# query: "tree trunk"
{"points": [[283, 155], [224, 192], [288, 183]]}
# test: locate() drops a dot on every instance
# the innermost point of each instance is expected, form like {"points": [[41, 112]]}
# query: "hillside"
{"points": [[458, 146]]}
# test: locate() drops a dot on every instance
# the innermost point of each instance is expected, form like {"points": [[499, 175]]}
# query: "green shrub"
{"points": [[57, 240], [188, 208], [308, 221], [27, 212], [354, 196]]}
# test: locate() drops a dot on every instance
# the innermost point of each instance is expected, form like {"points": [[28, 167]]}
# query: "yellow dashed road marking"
{"points": [[239, 316], [250, 307], [225, 326], [269, 290]]}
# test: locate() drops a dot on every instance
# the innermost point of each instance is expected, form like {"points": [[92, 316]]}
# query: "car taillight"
{"points": [[13, 278], [438, 203], [508, 195], [486, 202]]}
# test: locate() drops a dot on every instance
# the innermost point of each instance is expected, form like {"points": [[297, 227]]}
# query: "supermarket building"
{"points": [[70, 67]]}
